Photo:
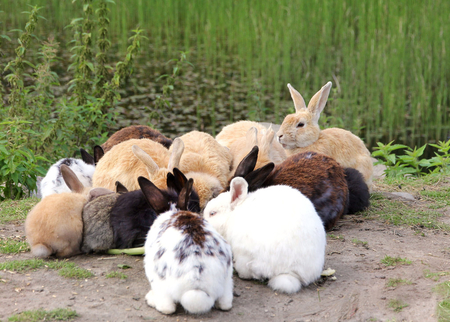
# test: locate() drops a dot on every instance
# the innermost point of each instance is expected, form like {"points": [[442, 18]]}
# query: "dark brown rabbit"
{"points": [[136, 132]]}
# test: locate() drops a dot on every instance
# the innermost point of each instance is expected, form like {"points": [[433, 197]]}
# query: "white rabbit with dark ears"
{"points": [[186, 260], [274, 233]]}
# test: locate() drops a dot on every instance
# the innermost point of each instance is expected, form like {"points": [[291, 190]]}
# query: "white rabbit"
{"points": [[187, 262], [53, 181], [274, 233]]}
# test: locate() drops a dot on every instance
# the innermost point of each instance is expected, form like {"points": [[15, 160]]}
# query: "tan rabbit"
{"points": [[300, 132], [54, 226], [242, 136]]}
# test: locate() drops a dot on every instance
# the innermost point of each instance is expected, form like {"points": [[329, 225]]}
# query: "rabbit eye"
{"points": [[212, 213], [301, 124]]}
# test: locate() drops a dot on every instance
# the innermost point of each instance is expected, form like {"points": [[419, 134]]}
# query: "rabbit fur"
{"points": [[132, 215], [240, 137], [274, 233], [136, 132], [187, 262], [53, 181], [54, 226], [133, 158], [300, 132]]}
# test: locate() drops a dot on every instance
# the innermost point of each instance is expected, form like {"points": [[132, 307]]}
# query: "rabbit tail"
{"points": [[358, 191], [41, 251], [285, 283], [196, 301]]}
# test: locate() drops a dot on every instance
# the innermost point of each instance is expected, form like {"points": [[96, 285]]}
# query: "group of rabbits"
{"points": [[248, 199]]}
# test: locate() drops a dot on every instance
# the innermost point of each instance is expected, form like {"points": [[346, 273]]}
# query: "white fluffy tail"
{"points": [[40, 250], [196, 301], [285, 283]]}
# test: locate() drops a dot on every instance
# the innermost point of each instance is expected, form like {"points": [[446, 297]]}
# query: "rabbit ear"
{"points": [[98, 153], [86, 157], [247, 164], [238, 191], [120, 188], [318, 101], [185, 193], [299, 102], [155, 198], [267, 139], [151, 165], [71, 179], [177, 180], [256, 178], [252, 136], [177, 151]]}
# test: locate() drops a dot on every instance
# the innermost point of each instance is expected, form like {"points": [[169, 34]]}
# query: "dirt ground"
{"points": [[359, 292]]}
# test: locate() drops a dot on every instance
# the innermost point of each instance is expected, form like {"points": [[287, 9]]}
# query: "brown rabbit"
{"points": [[300, 132], [54, 226], [136, 132]]}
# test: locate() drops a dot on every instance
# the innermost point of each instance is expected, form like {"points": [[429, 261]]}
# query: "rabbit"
{"points": [[136, 132], [187, 261], [318, 177], [241, 136], [274, 233], [53, 181], [300, 132], [132, 216], [133, 158], [54, 226]]}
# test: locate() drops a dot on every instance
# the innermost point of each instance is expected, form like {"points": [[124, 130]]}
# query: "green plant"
{"points": [[16, 210], [397, 305], [42, 315], [394, 261], [434, 275], [356, 241], [115, 274], [394, 282], [13, 246], [441, 160]]}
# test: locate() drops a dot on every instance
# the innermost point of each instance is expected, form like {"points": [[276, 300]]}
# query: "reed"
{"points": [[387, 59]]}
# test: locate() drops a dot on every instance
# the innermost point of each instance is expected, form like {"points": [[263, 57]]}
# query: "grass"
{"points": [[434, 275], [356, 241], [16, 210], [65, 268], [443, 307], [397, 305], [305, 43], [397, 212], [394, 261], [115, 274], [394, 282], [13, 246], [42, 315], [337, 237], [439, 197]]}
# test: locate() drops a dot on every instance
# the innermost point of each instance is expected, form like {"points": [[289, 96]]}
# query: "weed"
{"points": [[115, 274], [397, 305], [16, 210], [394, 282], [443, 311], [394, 261], [434, 276], [338, 237], [75, 272], [13, 246], [356, 241], [42, 315]]}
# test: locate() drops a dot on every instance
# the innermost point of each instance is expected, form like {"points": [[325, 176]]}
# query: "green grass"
{"points": [[443, 307], [338, 237], [394, 282], [434, 275], [440, 198], [42, 315], [13, 246], [115, 274], [306, 43], [398, 213], [16, 210], [397, 305], [394, 261], [65, 268], [356, 241]]}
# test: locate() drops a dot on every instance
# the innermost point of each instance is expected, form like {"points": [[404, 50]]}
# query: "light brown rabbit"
{"points": [[242, 136], [128, 160], [54, 226], [300, 132]]}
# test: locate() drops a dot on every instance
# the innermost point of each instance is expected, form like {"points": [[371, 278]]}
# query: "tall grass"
{"points": [[387, 59]]}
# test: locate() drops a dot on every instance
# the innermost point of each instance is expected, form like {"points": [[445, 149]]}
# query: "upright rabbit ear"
{"points": [[175, 157], [71, 179], [185, 193], [299, 102], [151, 165], [177, 180], [247, 164], [120, 188], [86, 157], [252, 136], [318, 101], [255, 179], [98, 153], [238, 191], [155, 198]]}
